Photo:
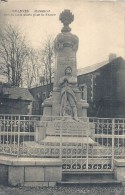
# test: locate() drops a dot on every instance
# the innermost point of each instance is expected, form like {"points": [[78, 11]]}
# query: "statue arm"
{"points": [[73, 80], [70, 80], [62, 80]]}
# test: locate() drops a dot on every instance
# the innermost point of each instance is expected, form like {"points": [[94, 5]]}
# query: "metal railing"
{"points": [[86, 144], [14, 131]]}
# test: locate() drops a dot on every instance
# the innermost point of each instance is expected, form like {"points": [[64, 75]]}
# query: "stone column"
{"points": [[66, 46]]}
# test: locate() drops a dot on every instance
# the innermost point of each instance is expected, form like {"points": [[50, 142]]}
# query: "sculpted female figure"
{"points": [[68, 99]]}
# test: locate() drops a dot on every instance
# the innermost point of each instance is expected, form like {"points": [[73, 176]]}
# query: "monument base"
{"points": [[32, 172], [63, 126], [55, 135], [65, 140], [58, 147]]}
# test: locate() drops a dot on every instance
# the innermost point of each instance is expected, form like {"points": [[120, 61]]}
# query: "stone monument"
{"points": [[64, 112], [66, 97]]}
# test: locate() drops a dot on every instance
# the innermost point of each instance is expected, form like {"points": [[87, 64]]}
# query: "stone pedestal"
{"points": [[58, 130], [40, 132]]}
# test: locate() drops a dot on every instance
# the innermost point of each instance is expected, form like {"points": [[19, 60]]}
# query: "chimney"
{"points": [[112, 56]]}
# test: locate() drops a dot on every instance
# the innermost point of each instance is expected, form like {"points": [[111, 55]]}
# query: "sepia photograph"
{"points": [[62, 97]]}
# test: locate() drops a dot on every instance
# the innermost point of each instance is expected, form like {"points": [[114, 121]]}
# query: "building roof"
{"points": [[17, 93], [91, 68]]}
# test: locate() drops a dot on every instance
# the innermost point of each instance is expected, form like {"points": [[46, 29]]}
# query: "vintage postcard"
{"points": [[62, 97]]}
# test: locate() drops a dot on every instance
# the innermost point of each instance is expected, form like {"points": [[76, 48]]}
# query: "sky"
{"points": [[100, 26]]}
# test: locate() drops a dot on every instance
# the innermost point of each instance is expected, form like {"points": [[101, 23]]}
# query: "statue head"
{"points": [[68, 71]]}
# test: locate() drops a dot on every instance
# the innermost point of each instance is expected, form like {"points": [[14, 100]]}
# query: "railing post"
{"points": [[87, 149], [61, 139], [4, 129], [18, 144], [113, 130], [0, 131]]}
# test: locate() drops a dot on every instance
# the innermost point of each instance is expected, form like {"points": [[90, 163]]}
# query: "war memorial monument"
{"points": [[64, 108]]}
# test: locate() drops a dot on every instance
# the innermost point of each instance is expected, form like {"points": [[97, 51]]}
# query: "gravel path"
{"points": [[75, 190]]}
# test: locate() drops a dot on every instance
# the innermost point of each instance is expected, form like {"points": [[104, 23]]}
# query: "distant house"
{"points": [[105, 86], [40, 94], [15, 100]]}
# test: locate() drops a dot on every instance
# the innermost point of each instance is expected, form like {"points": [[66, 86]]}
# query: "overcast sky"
{"points": [[99, 25]]}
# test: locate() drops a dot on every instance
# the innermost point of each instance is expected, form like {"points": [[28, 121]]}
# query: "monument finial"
{"points": [[66, 17]]}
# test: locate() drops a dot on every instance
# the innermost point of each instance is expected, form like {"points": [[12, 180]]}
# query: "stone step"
{"points": [[88, 175], [88, 182], [102, 178], [66, 132]]}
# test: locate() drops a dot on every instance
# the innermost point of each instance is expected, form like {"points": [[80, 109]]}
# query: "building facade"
{"points": [[15, 100], [105, 88], [102, 84]]}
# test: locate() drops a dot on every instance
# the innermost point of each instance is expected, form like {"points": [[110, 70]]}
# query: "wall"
{"points": [[3, 174], [30, 171], [40, 93], [9, 106]]}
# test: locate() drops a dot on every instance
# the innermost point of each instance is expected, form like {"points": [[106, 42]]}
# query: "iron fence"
{"points": [[14, 131], [86, 144]]}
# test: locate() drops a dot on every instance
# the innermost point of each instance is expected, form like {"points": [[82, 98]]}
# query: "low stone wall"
{"points": [[3, 174], [119, 170], [30, 171]]}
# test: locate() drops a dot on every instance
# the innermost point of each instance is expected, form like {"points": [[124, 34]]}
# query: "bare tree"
{"points": [[39, 65], [24, 66], [13, 53], [32, 69], [47, 59]]}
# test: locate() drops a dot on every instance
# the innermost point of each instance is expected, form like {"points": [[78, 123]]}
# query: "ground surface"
{"points": [[74, 190]]}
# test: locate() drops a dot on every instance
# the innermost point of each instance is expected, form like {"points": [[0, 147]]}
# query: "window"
{"points": [[83, 89]]}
